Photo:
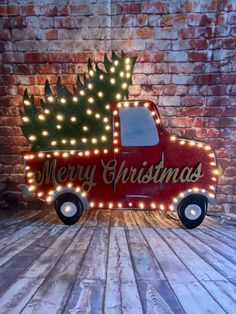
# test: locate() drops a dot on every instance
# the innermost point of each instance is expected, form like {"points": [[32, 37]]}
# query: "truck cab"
{"points": [[145, 168]]}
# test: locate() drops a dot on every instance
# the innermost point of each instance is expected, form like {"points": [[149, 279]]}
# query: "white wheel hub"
{"points": [[68, 209], [193, 211]]}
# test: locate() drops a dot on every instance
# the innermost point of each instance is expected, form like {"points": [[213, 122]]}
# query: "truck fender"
{"points": [[210, 197], [57, 193]]}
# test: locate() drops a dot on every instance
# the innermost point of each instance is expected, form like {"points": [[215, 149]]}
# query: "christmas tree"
{"points": [[82, 119]]}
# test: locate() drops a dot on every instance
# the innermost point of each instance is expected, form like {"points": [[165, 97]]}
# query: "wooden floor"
{"points": [[115, 262]]}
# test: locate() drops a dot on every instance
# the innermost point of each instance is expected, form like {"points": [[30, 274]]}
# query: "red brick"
{"points": [[4, 34], [14, 22], [127, 8], [198, 56], [52, 34], [150, 57], [3, 10]]}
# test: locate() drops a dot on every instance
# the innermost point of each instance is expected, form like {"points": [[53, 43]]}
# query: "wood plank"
{"points": [[144, 263], [22, 243], [16, 265], [25, 286], [121, 294], [216, 260], [198, 267], [223, 238], [186, 287], [215, 244], [155, 292], [21, 231], [158, 297], [52, 295], [86, 297], [117, 218]]}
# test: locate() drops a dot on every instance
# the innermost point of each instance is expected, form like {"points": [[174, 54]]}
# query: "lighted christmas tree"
{"points": [[82, 119]]}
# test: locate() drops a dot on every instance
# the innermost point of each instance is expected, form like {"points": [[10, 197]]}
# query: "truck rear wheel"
{"points": [[69, 208], [192, 210]]}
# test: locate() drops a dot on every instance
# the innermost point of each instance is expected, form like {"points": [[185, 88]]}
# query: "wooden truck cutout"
{"points": [[146, 168]]}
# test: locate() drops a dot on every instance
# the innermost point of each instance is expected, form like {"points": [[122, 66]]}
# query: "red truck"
{"points": [[146, 168]]}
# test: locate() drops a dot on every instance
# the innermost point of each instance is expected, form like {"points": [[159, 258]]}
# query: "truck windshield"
{"points": [[137, 127]]}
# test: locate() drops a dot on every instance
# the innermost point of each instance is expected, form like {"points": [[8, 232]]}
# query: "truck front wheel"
{"points": [[69, 208], [192, 210]]}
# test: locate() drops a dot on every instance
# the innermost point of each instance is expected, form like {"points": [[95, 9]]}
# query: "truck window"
{"points": [[137, 127]]}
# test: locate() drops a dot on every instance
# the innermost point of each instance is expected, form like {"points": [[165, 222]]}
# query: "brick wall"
{"points": [[186, 64]]}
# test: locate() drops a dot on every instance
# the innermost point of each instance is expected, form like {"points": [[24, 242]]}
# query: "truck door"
{"points": [[139, 148]]}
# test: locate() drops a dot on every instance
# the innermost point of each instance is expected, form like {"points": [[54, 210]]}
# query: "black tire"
{"points": [[192, 210], [69, 208]]}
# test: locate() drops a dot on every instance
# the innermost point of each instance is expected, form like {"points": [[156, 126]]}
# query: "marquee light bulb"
{"points": [[59, 117], [64, 141], [82, 92], [136, 104], [122, 74], [141, 205], [32, 138], [73, 119], [85, 128], [116, 150], [153, 205], [107, 127], [84, 140], [173, 138], [105, 151], [108, 107], [91, 100], [90, 86], [25, 119], [45, 133], [75, 98], [58, 126], [101, 77], [27, 102], [126, 104], [46, 111], [127, 67], [91, 204], [53, 143], [146, 105], [112, 69], [62, 100], [73, 142], [41, 117], [112, 80], [96, 151], [100, 205], [118, 96], [91, 73], [51, 98], [110, 205], [116, 62], [103, 138], [97, 115], [119, 205], [94, 140], [127, 60], [100, 94], [89, 111], [128, 75], [115, 112]]}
